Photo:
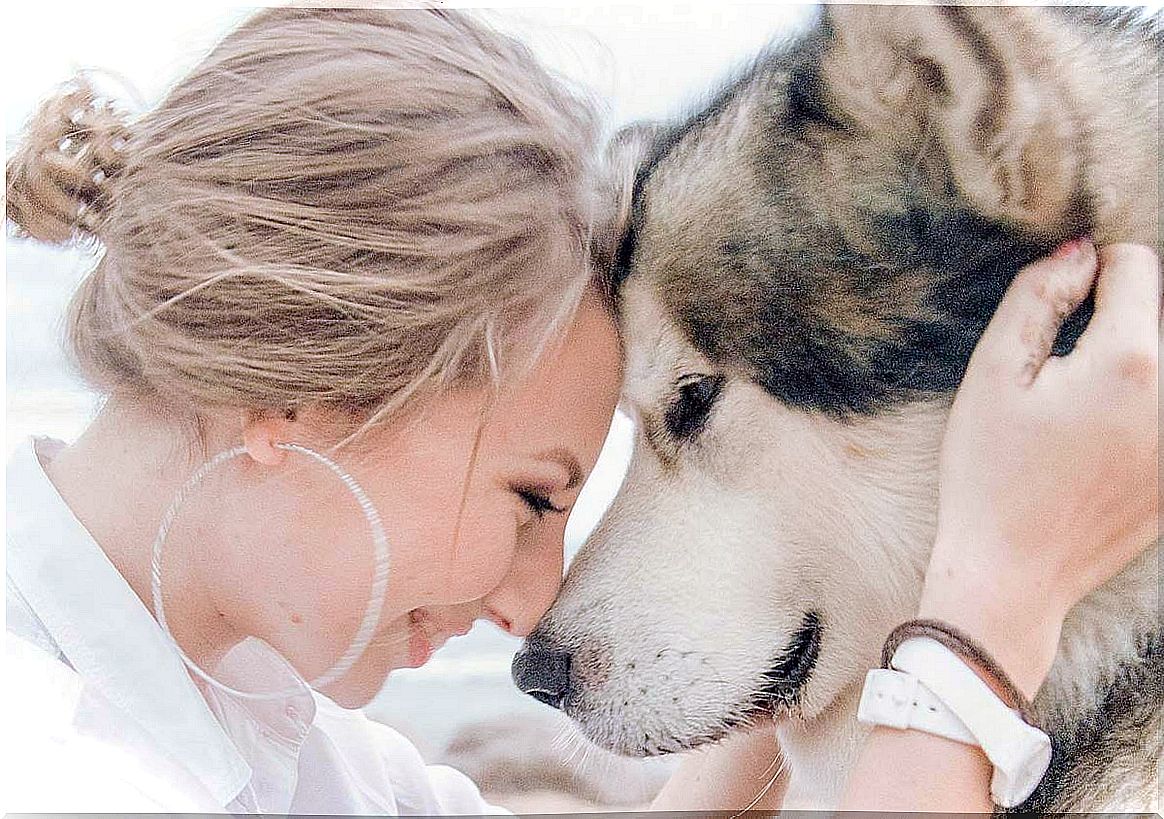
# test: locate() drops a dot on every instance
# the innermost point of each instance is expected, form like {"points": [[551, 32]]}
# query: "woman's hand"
{"points": [[1050, 470], [1049, 486], [743, 772]]}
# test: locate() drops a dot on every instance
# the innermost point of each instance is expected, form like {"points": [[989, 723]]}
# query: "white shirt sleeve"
{"points": [[428, 790], [50, 765], [417, 789], [456, 793]]}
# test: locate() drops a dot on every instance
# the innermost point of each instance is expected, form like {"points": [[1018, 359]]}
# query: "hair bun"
{"points": [[59, 180]]}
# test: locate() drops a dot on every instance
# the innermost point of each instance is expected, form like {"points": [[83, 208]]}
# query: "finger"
{"points": [[1018, 339], [1127, 297]]}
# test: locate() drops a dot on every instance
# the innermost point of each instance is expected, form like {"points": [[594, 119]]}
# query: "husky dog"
{"points": [[801, 271]]}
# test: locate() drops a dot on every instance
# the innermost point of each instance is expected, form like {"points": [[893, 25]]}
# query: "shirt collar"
{"points": [[113, 642], [270, 730]]}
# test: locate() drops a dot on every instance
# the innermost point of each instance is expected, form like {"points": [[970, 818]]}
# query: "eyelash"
{"points": [[538, 503]]}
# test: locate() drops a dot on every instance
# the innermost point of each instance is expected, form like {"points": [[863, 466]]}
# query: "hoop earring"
{"points": [[364, 634]]}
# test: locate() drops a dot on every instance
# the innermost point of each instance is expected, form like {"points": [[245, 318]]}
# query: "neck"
{"points": [[118, 479]]}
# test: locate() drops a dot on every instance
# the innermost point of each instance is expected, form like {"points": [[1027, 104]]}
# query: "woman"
{"points": [[362, 233], [344, 306]]}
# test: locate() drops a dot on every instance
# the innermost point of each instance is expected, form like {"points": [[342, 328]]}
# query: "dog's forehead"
{"points": [[699, 184], [656, 351]]}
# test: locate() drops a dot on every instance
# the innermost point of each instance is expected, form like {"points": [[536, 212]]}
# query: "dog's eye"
{"points": [[687, 415]]}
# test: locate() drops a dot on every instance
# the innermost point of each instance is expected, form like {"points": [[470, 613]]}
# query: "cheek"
{"points": [[307, 593], [479, 558], [328, 584]]}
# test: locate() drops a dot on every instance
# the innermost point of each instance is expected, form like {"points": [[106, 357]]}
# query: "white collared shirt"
{"points": [[102, 715]]}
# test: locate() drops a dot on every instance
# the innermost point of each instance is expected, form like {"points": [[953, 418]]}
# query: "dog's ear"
{"points": [[967, 98], [624, 156]]}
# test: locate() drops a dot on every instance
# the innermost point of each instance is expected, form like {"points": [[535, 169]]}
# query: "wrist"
{"points": [[943, 681], [1018, 625]]}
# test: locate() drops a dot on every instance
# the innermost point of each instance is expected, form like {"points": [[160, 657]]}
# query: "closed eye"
{"points": [[538, 503], [688, 414]]}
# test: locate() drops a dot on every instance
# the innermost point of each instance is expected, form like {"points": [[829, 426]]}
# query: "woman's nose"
{"points": [[528, 590]]}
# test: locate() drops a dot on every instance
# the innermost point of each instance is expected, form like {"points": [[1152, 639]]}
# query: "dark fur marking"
{"points": [[974, 261], [808, 101], [625, 253], [660, 149], [802, 359], [933, 78], [758, 303]]}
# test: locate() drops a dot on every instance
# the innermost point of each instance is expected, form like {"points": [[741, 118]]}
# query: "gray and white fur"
{"points": [[801, 269]]}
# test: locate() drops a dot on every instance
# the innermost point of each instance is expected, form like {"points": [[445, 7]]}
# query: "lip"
{"points": [[426, 636], [420, 645], [794, 666]]}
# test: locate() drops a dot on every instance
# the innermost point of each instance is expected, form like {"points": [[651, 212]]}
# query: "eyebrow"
{"points": [[567, 460]]}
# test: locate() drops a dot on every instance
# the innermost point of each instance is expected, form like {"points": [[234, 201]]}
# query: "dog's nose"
{"points": [[542, 670]]}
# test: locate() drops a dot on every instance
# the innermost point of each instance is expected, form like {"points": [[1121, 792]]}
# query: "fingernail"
{"points": [[1071, 249]]}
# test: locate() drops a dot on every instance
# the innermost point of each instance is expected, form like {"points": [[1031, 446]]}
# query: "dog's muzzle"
{"points": [[542, 670]]}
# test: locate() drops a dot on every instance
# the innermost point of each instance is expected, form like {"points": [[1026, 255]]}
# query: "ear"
{"points": [[971, 98], [262, 432], [625, 154]]}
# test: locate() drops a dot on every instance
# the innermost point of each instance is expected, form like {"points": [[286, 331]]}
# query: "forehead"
{"points": [[691, 201], [696, 185], [571, 393]]}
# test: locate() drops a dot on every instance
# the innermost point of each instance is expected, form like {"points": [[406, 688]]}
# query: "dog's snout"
{"points": [[542, 670]]}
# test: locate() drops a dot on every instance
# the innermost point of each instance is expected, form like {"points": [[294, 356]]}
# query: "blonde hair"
{"points": [[343, 207]]}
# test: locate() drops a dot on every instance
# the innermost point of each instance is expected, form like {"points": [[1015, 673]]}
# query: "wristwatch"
{"points": [[930, 688]]}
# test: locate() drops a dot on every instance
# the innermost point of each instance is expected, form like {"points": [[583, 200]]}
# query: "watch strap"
{"points": [[968, 649], [1019, 752], [899, 700]]}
